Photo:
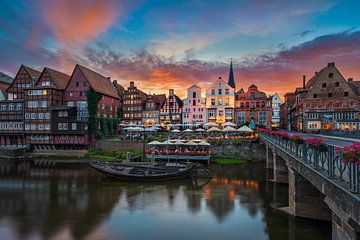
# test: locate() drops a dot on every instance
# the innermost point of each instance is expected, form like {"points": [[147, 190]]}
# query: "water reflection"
{"points": [[79, 203]]}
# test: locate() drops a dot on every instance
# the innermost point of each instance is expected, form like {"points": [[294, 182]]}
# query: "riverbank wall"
{"points": [[119, 145]]}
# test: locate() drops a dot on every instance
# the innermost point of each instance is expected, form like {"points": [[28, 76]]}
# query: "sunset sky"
{"points": [[177, 43]]}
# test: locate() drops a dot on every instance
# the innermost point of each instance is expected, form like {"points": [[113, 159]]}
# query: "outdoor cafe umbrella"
{"points": [[155, 143], [229, 129], [245, 129], [230, 124], [199, 130], [214, 129], [211, 124], [128, 129], [188, 130], [191, 143], [175, 131], [136, 129], [203, 143]]}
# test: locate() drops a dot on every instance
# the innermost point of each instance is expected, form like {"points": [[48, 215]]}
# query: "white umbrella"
{"points": [[191, 143], [168, 142], [188, 130], [214, 129], [229, 129], [203, 143], [199, 130], [128, 129], [211, 124], [245, 129], [136, 129], [175, 131], [230, 124], [178, 143], [155, 143]]}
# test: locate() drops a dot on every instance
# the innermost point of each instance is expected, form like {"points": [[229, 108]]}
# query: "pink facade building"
{"points": [[194, 111]]}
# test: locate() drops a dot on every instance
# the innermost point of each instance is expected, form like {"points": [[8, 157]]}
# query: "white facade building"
{"points": [[220, 102], [194, 108], [275, 107]]}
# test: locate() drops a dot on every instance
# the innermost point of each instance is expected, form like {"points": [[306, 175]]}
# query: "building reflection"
{"points": [[45, 202]]}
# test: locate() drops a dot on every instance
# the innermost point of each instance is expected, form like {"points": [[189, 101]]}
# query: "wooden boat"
{"points": [[143, 171]]}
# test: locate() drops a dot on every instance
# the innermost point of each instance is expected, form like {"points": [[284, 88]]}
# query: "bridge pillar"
{"points": [[343, 227], [280, 169], [305, 200], [269, 158]]}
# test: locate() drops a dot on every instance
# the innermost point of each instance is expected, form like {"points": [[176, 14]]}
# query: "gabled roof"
{"points": [[4, 78], [247, 95], [355, 86], [60, 79], [119, 88], [160, 99], [240, 91], [179, 101], [32, 72], [98, 82], [194, 86], [314, 79]]}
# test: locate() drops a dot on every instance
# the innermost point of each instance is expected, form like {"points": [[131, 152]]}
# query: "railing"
{"points": [[324, 160]]}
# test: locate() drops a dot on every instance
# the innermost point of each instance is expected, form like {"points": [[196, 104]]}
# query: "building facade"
{"points": [[12, 109], [171, 112], [194, 111], [151, 112], [134, 105], [327, 102], [275, 110], [220, 102], [39, 99], [252, 107], [285, 113]]}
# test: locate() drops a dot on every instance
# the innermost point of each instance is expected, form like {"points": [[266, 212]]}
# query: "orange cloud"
{"points": [[78, 21]]}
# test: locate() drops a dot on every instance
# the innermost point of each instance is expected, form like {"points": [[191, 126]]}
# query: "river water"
{"points": [[79, 203]]}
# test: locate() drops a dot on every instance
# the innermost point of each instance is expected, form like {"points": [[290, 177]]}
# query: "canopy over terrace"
{"points": [[179, 150]]}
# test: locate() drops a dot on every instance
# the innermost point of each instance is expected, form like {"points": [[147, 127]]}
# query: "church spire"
{"points": [[231, 81]]}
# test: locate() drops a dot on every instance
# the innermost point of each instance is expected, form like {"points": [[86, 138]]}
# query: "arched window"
{"points": [[331, 75]]}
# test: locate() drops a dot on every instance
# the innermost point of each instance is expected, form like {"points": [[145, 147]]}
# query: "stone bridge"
{"points": [[321, 186]]}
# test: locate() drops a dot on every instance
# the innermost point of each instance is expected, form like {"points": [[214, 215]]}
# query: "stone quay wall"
{"points": [[247, 150], [119, 145]]}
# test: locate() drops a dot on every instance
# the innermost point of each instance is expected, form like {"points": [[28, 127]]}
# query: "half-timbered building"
{"points": [[171, 112]]}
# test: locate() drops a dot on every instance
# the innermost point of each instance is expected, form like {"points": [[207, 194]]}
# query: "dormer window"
{"points": [[331, 75], [324, 85]]}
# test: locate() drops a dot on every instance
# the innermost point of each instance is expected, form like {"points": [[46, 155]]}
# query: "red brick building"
{"points": [[134, 104], [327, 102], [252, 106], [12, 109]]}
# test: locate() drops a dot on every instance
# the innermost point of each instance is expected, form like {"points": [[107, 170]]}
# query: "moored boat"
{"points": [[143, 171]]}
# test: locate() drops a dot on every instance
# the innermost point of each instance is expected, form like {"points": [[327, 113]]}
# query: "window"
{"points": [[227, 101], [71, 94], [331, 75], [337, 84], [194, 94], [213, 92], [242, 104], [247, 104], [47, 115], [315, 95], [330, 95], [257, 104], [77, 84], [241, 118], [70, 104], [324, 85], [227, 91], [220, 101], [252, 96], [346, 94], [73, 126], [220, 91], [212, 101], [194, 102]]}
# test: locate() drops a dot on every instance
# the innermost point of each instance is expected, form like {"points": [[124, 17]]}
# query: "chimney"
{"points": [[350, 79], [304, 81], [332, 64], [132, 84]]}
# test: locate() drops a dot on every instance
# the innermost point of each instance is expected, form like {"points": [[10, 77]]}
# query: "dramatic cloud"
{"points": [[77, 21]]}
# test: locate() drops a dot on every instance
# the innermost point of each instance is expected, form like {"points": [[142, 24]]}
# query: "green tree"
{"points": [[93, 99]]}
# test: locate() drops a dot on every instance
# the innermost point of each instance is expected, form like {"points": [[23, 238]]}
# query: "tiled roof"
{"points": [[98, 82], [119, 88], [32, 72], [315, 78], [5, 78], [160, 99], [60, 79], [355, 86], [180, 102]]}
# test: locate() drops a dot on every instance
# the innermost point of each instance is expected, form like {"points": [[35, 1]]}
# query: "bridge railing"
{"points": [[323, 159]]}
